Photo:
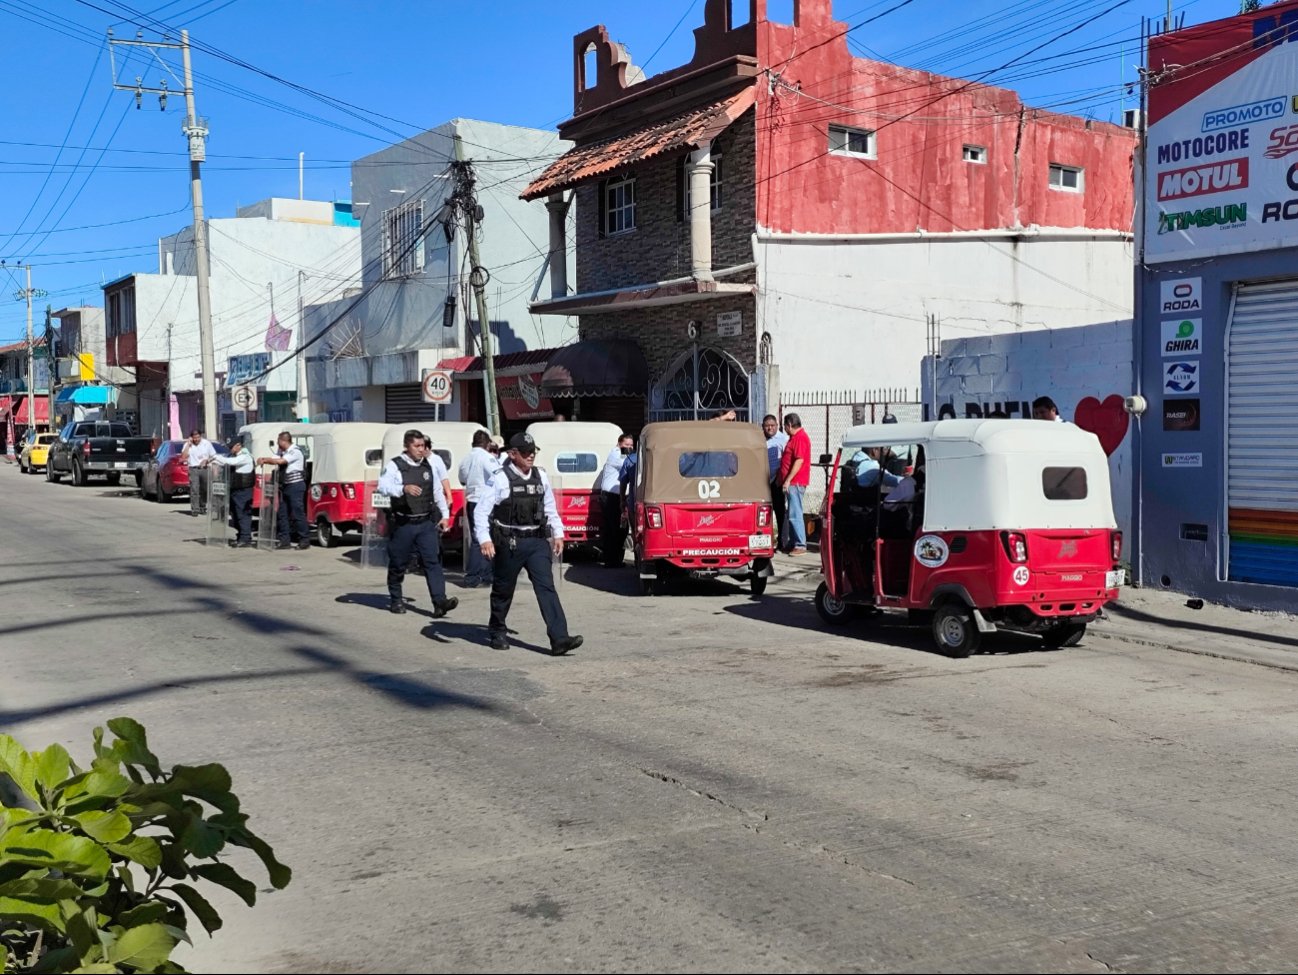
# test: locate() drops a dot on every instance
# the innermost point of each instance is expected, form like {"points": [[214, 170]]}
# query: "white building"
{"points": [[271, 258], [416, 308]]}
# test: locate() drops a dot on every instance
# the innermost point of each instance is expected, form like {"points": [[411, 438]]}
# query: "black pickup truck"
{"points": [[90, 448]]}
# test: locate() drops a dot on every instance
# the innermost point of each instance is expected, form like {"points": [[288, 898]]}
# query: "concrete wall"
{"points": [[848, 315], [1177, 498], [1086, 370]]}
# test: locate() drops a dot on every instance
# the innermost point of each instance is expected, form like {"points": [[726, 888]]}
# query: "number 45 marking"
{"points": [[709, 489]]}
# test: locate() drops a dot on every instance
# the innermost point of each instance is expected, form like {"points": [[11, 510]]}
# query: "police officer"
{"points": [[419, 512], [517, 524], [243, 476], [292, 492]]}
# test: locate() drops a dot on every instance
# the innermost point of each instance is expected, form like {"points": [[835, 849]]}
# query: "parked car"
{"points": [[166, 473], [36, 451], [90, 448]]}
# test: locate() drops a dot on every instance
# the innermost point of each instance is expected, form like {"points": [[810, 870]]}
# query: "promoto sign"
{"points": [[1222, 106]]}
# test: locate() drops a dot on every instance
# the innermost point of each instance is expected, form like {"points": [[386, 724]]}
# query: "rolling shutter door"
{"points": [[1262, 434], [405, 404]]}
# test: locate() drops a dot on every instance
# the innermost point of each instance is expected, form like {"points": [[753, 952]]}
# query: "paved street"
{"points": [[709, 784]]}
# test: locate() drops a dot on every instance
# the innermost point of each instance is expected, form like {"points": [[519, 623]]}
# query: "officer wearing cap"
{"points": [[242, 478], [517, 524], [419, 512]]}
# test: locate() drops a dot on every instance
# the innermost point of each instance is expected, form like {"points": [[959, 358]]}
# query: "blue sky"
{"points": [[80, 222]]}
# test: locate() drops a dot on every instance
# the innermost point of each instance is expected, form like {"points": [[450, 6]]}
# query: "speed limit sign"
{"points": [[437, 386], [244, 398]]}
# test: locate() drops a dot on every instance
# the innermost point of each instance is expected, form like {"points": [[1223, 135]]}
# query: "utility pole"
{"points": [[195, 130], [166, 405], [51, 363], [467, 202], [303, 396], [27, 294]]}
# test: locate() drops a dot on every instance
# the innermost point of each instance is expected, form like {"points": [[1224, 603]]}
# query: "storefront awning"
{"points": [[86, 395], [17, 405], [597, 367], [688, 131]]}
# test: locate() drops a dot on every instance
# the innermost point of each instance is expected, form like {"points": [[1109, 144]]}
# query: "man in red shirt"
{"points": [[795, 475]]}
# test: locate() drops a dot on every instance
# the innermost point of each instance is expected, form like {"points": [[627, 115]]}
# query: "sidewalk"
{"points": [[1152, 618]]}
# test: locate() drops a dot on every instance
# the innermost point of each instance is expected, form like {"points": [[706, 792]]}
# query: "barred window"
{"points": [[403, 239]]}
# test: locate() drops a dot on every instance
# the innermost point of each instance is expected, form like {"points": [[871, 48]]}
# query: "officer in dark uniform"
{"points": [[517, 524], [418, 515]]}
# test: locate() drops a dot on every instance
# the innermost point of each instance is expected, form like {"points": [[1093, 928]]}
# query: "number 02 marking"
{"points": [[709, 489]]}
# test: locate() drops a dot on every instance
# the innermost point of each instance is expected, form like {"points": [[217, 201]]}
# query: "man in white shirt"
{"points": [[419, 513], [198, 451], [292, 492], [1043, 408], [478, 467], [517, 523], [612, 535], [243, 475]]}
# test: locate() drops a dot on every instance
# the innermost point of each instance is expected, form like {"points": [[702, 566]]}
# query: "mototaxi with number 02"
{"points": [[1009, 526], [703, 503]]}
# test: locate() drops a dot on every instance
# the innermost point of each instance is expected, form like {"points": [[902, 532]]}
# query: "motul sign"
{"points": [[1214, 177]]}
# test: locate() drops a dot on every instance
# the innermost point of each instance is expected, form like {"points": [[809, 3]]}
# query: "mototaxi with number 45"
{"points": [[703, 503], [1003, 524]]}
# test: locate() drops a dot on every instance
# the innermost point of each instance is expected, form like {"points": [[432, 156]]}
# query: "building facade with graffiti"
{"points": [[1217, 339]]}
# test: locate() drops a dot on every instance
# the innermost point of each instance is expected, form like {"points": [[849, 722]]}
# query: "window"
{"points": [[708, 463], [1064, 483], [445, 455], [715, 185], [119, 311], [374, 458], [1068, 178], [403, 239], [975, 154], [851, 142], [576, 463], [618, 200]]}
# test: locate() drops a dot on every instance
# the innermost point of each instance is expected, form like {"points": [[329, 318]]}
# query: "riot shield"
{"points": [[218, 504], [267, 512], [374, 529]]}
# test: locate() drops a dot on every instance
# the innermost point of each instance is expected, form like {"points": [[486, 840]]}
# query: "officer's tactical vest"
{"points": [[525, 506], [420, 475]]}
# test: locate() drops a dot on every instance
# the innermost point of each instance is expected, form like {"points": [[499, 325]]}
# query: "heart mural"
{"points": [[1107, 420]]}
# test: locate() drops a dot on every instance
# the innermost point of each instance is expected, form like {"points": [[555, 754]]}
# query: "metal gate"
{"points": [[1262, 434], [828, 414], [701, 384]]}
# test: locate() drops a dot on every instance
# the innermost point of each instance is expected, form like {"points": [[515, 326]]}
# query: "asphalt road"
{"points": [[709, 784]]}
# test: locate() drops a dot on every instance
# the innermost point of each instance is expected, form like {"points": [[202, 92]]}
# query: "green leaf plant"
{"points": [[102, 869]]}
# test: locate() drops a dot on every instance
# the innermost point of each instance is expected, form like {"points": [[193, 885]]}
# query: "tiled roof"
{"points": [[684, 131]]}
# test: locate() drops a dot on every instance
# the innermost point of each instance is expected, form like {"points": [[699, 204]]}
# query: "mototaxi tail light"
{"points": [[1016, 546], [1116, 541], [653, 516], [765, 513]]}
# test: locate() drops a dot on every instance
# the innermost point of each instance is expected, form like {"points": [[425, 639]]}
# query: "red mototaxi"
{"points": [[703, 503], [1012, 528]]}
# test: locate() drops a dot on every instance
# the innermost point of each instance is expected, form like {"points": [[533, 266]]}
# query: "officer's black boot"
{"points": [[396, 605], [499, 641], [566, 645], [444, 606]]}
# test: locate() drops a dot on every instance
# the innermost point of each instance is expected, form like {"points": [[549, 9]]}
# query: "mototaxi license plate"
{"points": [[1115, 578], [381, 501], [759, 542]]}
